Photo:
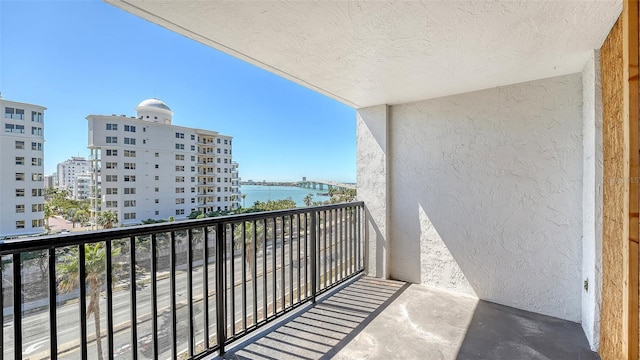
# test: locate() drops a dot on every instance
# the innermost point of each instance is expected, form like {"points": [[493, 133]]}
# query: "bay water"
{"points": [[265, 193]]}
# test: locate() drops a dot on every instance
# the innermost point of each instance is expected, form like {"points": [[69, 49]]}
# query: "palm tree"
{"points": [[95, 265], [107, 219], [308, 200]]}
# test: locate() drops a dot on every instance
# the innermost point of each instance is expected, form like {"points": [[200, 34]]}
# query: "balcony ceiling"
{"points": [[389, 52]]}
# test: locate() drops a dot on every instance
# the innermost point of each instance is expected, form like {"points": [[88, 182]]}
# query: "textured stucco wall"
{"points": [[486, 194], [592, 199], [371, 165]]}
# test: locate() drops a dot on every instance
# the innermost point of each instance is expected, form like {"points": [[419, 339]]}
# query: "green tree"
{"points": [[95, 264], [107, 219], [243, 196], [308, 200]]}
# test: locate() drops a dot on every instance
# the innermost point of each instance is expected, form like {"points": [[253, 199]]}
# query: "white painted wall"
{"points": [[485, 193], [372, 170], [592, 199]]}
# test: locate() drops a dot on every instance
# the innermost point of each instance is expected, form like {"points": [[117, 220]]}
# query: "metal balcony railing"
{"points": [[173, 290]]}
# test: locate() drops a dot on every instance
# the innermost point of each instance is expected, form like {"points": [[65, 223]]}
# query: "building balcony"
{"points": [[309, 263]]}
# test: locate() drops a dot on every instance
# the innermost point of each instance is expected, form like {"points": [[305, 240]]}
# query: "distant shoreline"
{"points": [[269, 183]]}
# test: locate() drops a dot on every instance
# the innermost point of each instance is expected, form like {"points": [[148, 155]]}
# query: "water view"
{"points": [[265, 193]]}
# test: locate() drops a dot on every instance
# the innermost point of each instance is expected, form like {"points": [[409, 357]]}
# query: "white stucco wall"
{"points": [[592, 199], [373, 184], [486, 194]]}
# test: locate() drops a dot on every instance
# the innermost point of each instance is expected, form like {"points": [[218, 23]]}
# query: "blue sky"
{"points": [[86, 57]]}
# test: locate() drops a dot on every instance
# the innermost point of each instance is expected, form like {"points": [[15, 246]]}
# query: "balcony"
{"points": [[153, 279]]}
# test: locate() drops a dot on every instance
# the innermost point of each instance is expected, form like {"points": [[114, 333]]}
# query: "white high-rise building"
{"points": [[82, 186], [151, 169], [69, 169], [22, 164]]}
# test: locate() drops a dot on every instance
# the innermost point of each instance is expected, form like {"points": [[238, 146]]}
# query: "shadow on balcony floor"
{"points": [[379, 319]]}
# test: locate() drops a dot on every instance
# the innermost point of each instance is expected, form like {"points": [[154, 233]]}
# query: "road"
{"points": [[35, 325]]}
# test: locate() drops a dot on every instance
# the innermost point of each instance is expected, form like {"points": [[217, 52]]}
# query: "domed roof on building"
{"points": [[154, 103]]}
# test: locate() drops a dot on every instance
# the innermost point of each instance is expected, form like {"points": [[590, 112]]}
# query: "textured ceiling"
{"points": [[389, 52]]}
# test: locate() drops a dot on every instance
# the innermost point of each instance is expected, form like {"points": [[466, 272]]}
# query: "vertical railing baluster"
{"points": [[352, 220], [132, 294], [331, 246], [83, 300], [233, 282], [205, 286], [274, 269], [254, 274], [290, 260], [243, 262], [109, 276], [265, 307], [314, 261], [307, 237], [299, 255], [154, 294], [190, 291], [323, 247], [342, 243], [2, 347], [361, 243], [172, 292], [282, 267], [53, 327], [220, 287], [17, 306]]}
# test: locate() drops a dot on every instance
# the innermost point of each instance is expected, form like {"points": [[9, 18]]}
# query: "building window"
{"points": [[218, 170], [180, 201], [19, 160], [179, 135], [111, 178], [20, 224], [130, 216], [157, 154], [19, 145], [193, 137], [218, 198], [111, 203], [218, 150], [179, 168], [193, 200], [179, 178], [112, 126], [36, 161], [19, 209], [130, 166], [157, 189], [129, 203], [36, 146], [112, 191], [226, 151], [19, 176], [14, 128], [129, 178], [179, 146], [179, 157], [37, 207], [112, 152], [157, 212], [218, 141], [193, 189], [37, 177], [130, 128], [193, 179], [111, 165], [37, 223], [129, 191], [129, 153], [225, 141], [193, 147], [157, 201], [179, 211], [157, 177], [129, 141], [226, 161], [36, 192], [19, 192], [37, 116], [193, 158], [179, 190], [112, 140]]}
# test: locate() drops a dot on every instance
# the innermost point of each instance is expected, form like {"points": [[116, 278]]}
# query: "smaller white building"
{"points": [[69, 169], [82, 186]]}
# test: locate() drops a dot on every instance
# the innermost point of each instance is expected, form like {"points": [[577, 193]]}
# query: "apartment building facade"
{"points": [[22, 164], [144, 167], [68, 171]]}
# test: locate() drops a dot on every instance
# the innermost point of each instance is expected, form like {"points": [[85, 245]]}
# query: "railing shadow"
{"points": [[321, 331]]}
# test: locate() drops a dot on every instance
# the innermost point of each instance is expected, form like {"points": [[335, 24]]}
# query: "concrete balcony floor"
{"points": [[378, 319]]}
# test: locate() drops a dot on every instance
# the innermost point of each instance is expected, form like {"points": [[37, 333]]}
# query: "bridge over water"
{"points": [[324, 184]]}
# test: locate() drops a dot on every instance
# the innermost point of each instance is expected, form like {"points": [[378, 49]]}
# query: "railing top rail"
{"points": [[62, 240]]}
